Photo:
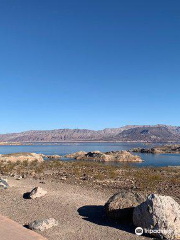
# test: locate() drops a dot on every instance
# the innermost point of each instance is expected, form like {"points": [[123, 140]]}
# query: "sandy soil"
{"points": [[79, 210]]}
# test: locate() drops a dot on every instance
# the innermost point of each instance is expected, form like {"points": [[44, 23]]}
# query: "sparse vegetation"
{"points": [[148, 178], [125, 177]]}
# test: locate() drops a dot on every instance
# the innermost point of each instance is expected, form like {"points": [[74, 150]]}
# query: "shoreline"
{"points": [[25, 143]]}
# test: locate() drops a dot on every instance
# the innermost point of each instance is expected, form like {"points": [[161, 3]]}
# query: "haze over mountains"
{"points": [[146, 133]]}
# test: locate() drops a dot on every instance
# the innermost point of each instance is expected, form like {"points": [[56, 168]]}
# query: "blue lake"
{"points": [[65, 148]]}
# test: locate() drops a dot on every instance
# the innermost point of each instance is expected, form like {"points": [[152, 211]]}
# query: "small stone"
{"points": [[18, 177], [63, 178], [3, 184], [84, 177], [37, 192], [42, 182], [42, 225]]}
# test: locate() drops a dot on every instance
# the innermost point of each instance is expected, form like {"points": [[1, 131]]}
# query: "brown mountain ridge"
{"points": [[137, 133]]}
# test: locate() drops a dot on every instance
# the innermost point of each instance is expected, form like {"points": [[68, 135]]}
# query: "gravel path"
{"points": [[79, 211]]}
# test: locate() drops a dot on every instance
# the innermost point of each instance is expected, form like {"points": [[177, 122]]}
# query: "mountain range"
{"points": [[135, 133]]}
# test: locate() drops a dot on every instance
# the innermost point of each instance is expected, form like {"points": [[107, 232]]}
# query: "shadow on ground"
{"points": [[26, 195], [96, 214]]}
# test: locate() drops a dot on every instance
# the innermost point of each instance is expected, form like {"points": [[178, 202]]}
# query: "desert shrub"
{"points": [[147, 178]]}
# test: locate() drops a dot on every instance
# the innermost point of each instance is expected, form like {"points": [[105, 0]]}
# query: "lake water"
{"points": [[65, 148]]}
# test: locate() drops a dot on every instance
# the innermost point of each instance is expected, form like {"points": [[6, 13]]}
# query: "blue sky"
{"points": [[88, 64]]}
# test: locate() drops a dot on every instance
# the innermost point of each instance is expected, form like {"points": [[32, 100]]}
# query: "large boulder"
{"points": [[42, 225], [14, 157], [37, 192], [159, 216], [121, 205]]}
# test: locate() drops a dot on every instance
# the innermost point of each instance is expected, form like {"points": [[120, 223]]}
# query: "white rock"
{"points": [[18, 177], [42, 225], [37, 192], [160, 215]]}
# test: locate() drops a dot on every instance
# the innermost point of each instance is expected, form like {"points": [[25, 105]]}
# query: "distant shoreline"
{"points": [[57, 142]]}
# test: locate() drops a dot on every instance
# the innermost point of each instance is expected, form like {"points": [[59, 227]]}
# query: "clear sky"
{"points": [[88, 63]]}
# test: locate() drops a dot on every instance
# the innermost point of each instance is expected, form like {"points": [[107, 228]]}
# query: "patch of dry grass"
{"points": [[143, 178], [148, 178]]}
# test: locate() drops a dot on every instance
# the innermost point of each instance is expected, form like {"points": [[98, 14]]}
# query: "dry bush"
{"points": [[148, 178]]}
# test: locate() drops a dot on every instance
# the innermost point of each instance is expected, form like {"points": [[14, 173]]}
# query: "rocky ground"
{"points": [[78, 209], [162, 180], [76, 194]]}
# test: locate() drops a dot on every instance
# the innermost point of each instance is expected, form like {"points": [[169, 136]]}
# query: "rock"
{"points": [[159, 149], [116, 156], [63, 178], [11, 230], [14, 157], [42, 225], [42, 182], [18, 177], [76, 155], [84, 177], [53, 157], [143, 150], [121, 205], [123, 156], [3, 184], [160, 215], [37, 192]]}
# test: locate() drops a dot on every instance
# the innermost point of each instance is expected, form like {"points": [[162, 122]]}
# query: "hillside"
{"points": [[147, 133]]}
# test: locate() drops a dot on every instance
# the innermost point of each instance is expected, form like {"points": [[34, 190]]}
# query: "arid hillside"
{"points": [[146, 133]]}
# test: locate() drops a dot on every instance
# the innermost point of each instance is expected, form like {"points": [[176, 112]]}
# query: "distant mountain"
{"points": [[145, 133], [149, 134]]}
